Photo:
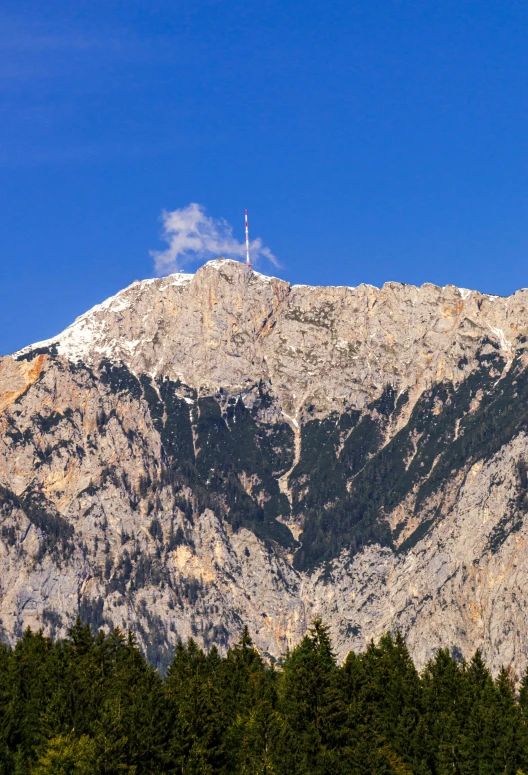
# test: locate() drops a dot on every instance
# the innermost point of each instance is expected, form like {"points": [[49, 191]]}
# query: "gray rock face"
{"points": [[204, 451]]}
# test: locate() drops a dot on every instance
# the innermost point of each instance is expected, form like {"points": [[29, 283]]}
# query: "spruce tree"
{"points": [[92, 703], [130, 728], [195, 745], [389, 704], [445, 711], [504, 730], [474, 739], [6, 656], [31, 686], [306, 698]]}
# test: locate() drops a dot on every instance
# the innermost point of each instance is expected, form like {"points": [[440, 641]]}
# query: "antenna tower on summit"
{"points": [[248, 262]]}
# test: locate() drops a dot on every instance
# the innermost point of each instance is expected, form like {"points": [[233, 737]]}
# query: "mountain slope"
{"points": [[206, 450]]}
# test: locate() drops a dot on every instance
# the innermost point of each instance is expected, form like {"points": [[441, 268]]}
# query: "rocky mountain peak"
{"points": [[326, 346], [202, 451]]}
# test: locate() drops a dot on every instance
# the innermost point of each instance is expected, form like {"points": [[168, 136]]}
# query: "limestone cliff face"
{"points": [[203, 451]]}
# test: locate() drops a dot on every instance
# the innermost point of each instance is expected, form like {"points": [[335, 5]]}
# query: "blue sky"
{"points": [[370, 141]]}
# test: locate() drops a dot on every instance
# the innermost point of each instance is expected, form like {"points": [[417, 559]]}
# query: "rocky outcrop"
{"points": [[203, 451]]}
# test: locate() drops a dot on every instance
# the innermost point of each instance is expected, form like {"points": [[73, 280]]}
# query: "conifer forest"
{"points": [[93, 704]]}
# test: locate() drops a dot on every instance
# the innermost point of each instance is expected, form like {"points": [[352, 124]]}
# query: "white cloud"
{"points": [[193, 235]]}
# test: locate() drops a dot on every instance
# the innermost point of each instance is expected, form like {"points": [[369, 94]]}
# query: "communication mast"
{"points": [[248, 262]]}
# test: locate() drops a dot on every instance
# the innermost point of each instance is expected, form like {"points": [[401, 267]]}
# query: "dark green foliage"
{"points": [[46, 424], [176, 434], [333, 519], [91, 612], [228, 447], [119, 379], [155, 530], [51, 350], [385, 404], [8, 534], [233, 446], [92, 704], [344, 497], [153, 400], [319, 476], [9, 503], [362, 442], [334, 452], [346, 481], [56, 533], [264, 394], [217, 454], [512, 520]]}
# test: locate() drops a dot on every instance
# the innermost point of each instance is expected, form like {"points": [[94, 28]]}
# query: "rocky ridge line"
{"points": [[205, 450]]}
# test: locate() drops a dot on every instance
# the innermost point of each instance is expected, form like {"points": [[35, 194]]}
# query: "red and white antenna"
{"points": [[248, 262]]}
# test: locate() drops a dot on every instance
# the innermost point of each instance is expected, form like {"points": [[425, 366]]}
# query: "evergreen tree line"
{"points": [[93, 704]]}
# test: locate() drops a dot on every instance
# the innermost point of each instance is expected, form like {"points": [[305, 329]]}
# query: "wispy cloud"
{"points": [[33, 52], [193, 235]]}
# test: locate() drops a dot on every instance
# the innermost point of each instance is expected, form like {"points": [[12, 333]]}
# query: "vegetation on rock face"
{"points": [[228, 446], [347, 478], [353, 470], [346, 482], [93, 704], [110, 474], [55, 531]]}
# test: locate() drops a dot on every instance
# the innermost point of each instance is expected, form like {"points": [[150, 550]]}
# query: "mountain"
{"points": [[204, 451]]}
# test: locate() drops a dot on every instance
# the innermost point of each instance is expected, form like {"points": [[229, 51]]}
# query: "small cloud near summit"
{"points": [[192, 235]]}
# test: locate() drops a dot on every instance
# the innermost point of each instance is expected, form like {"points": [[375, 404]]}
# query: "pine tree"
{"points": [[257, 742], [196, 719], [474, 740], [523, 720], [93, 704], [389, 704], [130, 728], [78, 683], [31, 686], [444, 711], [239, 671], [504, 730], [306, 697], [6, 655]]}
